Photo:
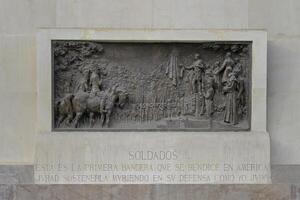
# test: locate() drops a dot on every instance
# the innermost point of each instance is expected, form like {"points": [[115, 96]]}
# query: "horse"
{"points": [[116, 97], [65, 109], [103, 102]]}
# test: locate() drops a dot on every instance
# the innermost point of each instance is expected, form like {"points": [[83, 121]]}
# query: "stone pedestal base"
{"points": [[153, 158]]}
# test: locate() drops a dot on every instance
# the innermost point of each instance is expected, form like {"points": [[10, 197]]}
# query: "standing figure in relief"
{"points": [[136, 112], [156, 111], [196, 73], [178, 107], [227, 67], [143, 112], [238, 65], [150, 113], [217, 76], [209, 93], [209, 98], [231, 104], [241, 97], [169, 109], [161, 107], [67, 87]]}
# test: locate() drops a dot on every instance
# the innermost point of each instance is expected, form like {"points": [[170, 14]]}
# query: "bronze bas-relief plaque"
{"points": [[203, 86]]}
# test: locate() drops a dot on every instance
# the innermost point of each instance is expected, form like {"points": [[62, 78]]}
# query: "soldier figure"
{"points": [[169, 108], [82, 85], [67, 87], [178, 107], [142, 112], [161, 111], [85, 70], [156, 111], [209, 97], [216, 74], [150, 111], [95, 83], [137, 112]]}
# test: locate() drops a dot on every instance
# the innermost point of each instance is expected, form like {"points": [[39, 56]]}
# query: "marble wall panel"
{"points": [[16, 174], [24, 17], [149, 192], [283, 100], [18, 98], [277, 16]]}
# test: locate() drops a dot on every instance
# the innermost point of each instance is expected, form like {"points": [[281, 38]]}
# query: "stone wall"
{"points": [[149, 192], [20, 19]]}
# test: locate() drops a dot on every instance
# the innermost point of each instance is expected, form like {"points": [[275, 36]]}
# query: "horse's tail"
{"points": [[56, 108]]}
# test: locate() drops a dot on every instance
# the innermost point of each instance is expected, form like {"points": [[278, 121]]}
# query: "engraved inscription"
{"points": [[151, 86]]}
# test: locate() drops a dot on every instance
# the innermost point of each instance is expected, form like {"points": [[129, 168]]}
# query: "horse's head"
{"points": [[122, 97]]}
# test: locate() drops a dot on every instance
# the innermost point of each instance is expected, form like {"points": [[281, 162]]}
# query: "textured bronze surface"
{"points": [[151, 86]]}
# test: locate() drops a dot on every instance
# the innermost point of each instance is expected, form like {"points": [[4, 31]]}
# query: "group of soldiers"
{"points": [[143, 112]]}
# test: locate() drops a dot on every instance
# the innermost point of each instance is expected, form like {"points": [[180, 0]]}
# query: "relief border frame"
{"points": [[258, 39], [211, 129]]}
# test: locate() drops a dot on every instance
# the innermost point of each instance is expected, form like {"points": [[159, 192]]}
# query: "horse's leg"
{"points": [[69, 119], [60, 120], [107, 119], [91, 119], [102, 117], [76, 120]]}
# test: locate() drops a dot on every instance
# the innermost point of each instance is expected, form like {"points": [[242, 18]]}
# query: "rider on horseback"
{"points": [[95, 82]]}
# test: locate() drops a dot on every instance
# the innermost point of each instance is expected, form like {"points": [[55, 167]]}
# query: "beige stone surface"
{"points": [[108, 14], [19, 21], [277, 16], [286, 174], [153, 14], [18, 98], [105, 158], [149, 192], [281, 19], [215, 14], [16, 174], [283, 100], [23, 174], [222, 192], [25, 17], [221, 148], [7, 192], [21, 18]]}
